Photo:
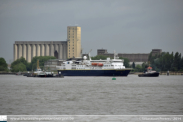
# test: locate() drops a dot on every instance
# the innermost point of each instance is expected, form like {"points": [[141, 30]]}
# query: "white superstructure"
{"points": [[93, 64]]}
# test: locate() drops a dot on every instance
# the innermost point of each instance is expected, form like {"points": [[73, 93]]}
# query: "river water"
{"points": [[132, 95]]}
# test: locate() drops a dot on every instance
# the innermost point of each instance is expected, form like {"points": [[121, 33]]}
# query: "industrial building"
{"points": [[59, 49], [139, 58]]}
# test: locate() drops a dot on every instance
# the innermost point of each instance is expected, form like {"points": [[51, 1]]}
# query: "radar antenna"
{"points": [[115, 55], [81, 52]]}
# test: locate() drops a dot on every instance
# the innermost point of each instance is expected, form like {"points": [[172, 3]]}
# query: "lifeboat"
{"points": [[94, 64], [149, 68], [100, 64]]}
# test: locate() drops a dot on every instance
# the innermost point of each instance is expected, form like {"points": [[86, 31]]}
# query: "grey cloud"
{"points": [[126, 26]]}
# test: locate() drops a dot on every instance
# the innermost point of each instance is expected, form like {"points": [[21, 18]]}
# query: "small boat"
{"points": [[149, 73], [26, 74], [46, 74]]}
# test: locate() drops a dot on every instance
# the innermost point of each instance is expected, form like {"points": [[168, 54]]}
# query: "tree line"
{"points": [[22, 65], [166, 61], [3, 65]]}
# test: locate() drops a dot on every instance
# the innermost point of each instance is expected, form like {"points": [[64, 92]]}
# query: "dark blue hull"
{"points": [[156, 74], [122, 72]]}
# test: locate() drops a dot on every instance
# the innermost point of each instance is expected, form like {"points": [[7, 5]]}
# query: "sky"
{"points": [[126, 26]]}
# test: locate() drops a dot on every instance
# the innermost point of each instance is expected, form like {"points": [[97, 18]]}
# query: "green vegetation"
{"points": [[133, 65], [19, 67], [163, 62], [22, 65], [98, 57], [42, 60], [139, 68], [166, 61], [3, 65]]}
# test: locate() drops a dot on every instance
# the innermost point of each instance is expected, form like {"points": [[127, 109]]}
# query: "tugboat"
{"points": [[149, 73], [46, 74], [40, 73]]}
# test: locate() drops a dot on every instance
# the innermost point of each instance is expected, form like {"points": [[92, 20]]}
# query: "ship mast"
{"points": [[89, 55], [38, 65]]}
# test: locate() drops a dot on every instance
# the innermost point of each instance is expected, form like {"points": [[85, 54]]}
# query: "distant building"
{"points": [[59, 49], [74, 41], [30, 49], [156, 52], [101, 51], [52, 63], [139, 58]]}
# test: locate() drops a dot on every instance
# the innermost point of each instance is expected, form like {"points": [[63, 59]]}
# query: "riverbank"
{"points": [[161, 73], [7, 73], [131, 73], [171, 73]]}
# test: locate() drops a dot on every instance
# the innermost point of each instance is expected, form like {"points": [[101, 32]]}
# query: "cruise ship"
{"points": [[109, 67]]}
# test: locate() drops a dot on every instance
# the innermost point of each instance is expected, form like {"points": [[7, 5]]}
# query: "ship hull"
{"points": [[123, 72], [48, 75], [156, 74]]}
